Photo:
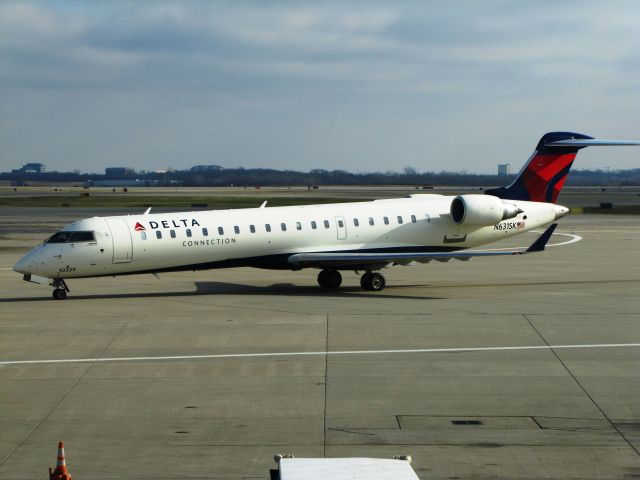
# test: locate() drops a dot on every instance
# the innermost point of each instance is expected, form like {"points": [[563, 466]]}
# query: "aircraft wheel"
{"points": [[329, 279], [373, 282], [322, 278], [364, 281], [59, 294]]}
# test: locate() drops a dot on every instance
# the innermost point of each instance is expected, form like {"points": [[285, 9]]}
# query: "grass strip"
{"points": [[133, 201]]}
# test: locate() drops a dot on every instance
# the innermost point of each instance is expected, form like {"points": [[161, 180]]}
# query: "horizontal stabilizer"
{"points": [[590, 142]]}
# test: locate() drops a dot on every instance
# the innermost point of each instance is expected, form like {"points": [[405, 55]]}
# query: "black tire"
{"points": [[322, 278], [364, 281], [329, 279], [374, 282], [377, 282], [334, 279], [59, 294]]}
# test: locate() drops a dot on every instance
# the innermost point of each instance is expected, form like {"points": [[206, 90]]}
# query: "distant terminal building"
{"points": [[206, 168], [31, 168], [504, 169], [119, 172]]}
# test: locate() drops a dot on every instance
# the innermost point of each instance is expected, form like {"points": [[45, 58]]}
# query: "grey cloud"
{"points": [[331, 85]]}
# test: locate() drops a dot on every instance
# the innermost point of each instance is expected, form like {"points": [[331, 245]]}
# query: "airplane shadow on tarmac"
{"points": [[223, 288]]}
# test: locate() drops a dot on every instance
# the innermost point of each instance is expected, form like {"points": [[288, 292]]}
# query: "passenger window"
{"points": [[340, 223], [173, 233], [314, 225], [143, 235], [356, 223], [252, 228], [220, 231], [399, 220], [298, 226], [236, 229], [371, 222], [326, 224], [413, 219], [386, 220], [267, 227], [205, 232], [158, 234], [189, 232], [283, 226]]}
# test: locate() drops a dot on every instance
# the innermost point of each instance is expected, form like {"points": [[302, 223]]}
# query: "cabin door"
{"points": [[121, 238]]}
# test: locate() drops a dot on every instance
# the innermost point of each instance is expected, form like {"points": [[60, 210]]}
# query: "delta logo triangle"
{"points": [[139, 227]]}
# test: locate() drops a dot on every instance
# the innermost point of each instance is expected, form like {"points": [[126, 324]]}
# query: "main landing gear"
{"points": [[329, 279], [371, 281], [60, 289]]}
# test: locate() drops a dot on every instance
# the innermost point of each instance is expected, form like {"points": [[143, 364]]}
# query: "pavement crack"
{"points": [[351, 431], [108, 345], [63, 396], [584, 390]]}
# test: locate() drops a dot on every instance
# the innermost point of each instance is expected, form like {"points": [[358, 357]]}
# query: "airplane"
{"points": [[360, 236]]}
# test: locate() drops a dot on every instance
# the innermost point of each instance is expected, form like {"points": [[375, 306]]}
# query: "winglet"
{"points": [[146, 212], [541, 242]]}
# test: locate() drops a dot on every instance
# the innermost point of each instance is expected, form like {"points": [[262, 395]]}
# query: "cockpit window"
{"points": [[72, 237], [82, 237], [59, 237]]}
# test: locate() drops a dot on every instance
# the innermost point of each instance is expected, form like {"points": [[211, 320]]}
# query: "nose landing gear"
{"points": [[60, 289], [59, 294]]}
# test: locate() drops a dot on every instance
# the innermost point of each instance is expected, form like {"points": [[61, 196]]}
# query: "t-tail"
{"points": [[543, 176]]}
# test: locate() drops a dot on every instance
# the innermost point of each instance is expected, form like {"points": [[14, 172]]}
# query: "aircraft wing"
{"points": [[354, 260]]}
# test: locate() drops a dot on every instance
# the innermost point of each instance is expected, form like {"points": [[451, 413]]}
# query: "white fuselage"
{"points": [[241, 237]]}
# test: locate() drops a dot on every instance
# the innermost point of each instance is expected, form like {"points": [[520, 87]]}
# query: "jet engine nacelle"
{"points": [[482, 210]]}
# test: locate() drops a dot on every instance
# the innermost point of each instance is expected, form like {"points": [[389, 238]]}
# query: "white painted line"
{"points": [[296, 354], [603, 230], [6, 268], [574, 239]]}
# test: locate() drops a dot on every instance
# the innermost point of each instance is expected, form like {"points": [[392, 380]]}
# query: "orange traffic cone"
{"points": [[60, 473]]}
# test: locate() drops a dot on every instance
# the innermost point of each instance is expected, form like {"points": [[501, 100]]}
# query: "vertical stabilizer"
{"points": [[543, 176]]}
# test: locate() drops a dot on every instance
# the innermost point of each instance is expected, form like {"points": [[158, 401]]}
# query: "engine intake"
{"points": [[481, 210]]}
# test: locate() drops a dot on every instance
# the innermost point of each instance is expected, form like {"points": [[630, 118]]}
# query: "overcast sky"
{"points": [[359, 86]]}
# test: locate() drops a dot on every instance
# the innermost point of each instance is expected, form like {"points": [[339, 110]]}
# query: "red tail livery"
{"points": [[543, 176]]}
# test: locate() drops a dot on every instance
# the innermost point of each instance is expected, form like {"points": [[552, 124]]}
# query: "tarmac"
{"points": [[520, 367]]}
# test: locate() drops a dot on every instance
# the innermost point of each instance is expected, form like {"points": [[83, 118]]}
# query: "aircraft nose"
{"points": [[22, 265], [28, 263]]}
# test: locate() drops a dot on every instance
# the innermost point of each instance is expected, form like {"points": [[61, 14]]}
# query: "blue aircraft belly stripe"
{"points": [[279, 261]]}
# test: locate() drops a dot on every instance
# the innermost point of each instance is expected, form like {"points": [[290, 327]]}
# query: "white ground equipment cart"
{"points": [[290, 468]]}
